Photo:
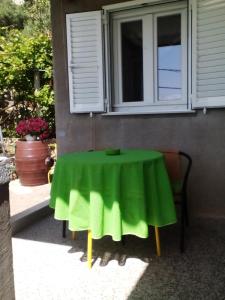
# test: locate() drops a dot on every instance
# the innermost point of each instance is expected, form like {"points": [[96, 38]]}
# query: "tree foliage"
{"points": [[38, 16], [26, 87], [11, 14]]}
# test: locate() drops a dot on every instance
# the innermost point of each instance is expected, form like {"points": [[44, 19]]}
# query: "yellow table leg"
{"points": [[48, 177], [157, 240], [73, 235], [89, 249]]}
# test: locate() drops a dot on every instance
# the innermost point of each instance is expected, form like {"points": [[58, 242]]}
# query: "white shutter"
{"points": [[85, 62], [208, 69]]}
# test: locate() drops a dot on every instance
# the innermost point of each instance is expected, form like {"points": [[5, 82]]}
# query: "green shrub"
{"points": [[22, 58]]}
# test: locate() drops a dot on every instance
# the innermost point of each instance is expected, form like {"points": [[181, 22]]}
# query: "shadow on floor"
{"points": [[104, 248], [197, 274]]}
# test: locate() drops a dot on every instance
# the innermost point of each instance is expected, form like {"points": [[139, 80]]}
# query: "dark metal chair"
{"points": [[178, 164], [64, 229]]}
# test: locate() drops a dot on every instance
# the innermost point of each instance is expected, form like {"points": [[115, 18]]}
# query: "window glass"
{"points": [[169, 57], [132, 61]]}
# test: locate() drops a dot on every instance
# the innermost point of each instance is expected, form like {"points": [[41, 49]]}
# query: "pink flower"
{"points": [[33, 126]]}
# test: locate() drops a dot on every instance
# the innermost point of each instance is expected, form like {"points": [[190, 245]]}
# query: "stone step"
{"points": [[29, 216]]}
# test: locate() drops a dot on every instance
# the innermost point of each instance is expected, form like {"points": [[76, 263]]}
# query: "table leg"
{"points": [[49, 177], [73, 235], [157, 240], [89, 249]]}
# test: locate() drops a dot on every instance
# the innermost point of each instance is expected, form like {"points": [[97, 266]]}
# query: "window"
{"points": [[143, 57], [149, 58]]}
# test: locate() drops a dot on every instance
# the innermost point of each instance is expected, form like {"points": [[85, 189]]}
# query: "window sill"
{"points": [[149, 113]]}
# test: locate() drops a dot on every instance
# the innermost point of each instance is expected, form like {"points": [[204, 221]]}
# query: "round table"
{"points": [[112, 194]]}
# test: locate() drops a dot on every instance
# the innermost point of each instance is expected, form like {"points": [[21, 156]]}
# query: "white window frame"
{"points": [[148, 15]]}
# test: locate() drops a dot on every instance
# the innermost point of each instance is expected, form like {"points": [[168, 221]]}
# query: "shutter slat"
{"points": [[212, 69], [212, 20], [207, 5], [209, 53], [210, 14], [84, 34], [87, 95], [85, 60], [86, 70], [214, 75], [86, 80], [82, 29], [211, 81], [85, 77], [82, 49], [84, 85], [85, 45], [82, 22], [219, 93], [216, 26], [212, 57], [87, 91], [84, 52], [211, 87], [81, 40], [209, 32], [209, 63], [209, 50], [208, 40], [84, 65], [85, 101]]}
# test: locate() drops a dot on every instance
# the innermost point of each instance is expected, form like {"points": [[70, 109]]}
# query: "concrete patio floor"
{"points": [[26, 197], [46, 266], [27, 204]]}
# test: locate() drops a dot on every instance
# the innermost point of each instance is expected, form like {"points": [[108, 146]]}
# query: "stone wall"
{"points": [[6, 266]]}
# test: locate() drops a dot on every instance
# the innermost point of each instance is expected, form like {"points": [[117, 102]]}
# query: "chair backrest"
{"points": [[178, 166]]}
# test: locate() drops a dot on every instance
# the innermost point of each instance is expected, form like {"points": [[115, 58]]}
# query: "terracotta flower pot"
{"points": [[32, 165]]}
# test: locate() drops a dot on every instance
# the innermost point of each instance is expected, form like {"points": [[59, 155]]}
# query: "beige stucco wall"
{"points": [[202, 136]]}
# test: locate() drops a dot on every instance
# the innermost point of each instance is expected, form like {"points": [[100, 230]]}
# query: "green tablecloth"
{"points": [[112, 195]]}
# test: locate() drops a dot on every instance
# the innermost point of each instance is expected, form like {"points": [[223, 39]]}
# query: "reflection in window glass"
{"points": [[169, 55], [132, 61]]}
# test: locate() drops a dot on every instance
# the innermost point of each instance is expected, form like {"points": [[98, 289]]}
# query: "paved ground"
{"points": [[23, 198], [48, 267]]}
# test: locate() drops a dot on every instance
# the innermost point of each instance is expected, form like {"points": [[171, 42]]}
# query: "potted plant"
{"points": [[32, 157], [33, 129]]}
